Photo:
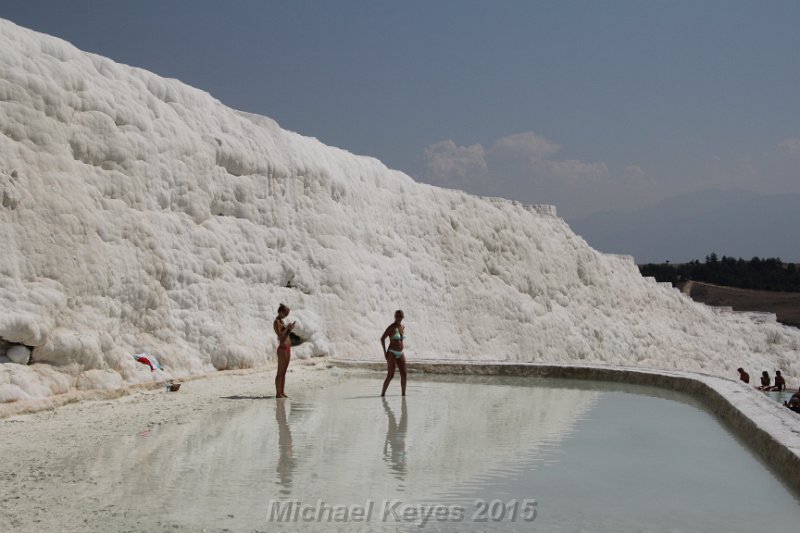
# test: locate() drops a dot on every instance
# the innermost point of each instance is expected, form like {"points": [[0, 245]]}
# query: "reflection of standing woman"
{"points": [[284, 349], [396, 439], [394, 355], [286, 461]]}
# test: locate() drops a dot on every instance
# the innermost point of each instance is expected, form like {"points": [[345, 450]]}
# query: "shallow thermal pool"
{"points": [[586, 457]]}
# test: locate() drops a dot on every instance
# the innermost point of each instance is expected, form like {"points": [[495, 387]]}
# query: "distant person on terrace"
{"points": [[743, 376], [394, 355], [794, 402], [764, 381], [780, 383]]}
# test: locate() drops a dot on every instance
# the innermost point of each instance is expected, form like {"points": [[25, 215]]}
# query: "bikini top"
{"points": [[397, 336]]}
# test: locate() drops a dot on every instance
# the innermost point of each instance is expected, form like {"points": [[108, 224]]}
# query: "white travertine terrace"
{"points": [[140, 214]]}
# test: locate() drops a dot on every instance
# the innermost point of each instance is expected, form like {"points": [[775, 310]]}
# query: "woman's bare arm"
{"points": [[383, 339], [282, 331]]}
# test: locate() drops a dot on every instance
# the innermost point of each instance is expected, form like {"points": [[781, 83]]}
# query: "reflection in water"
{"points": [[223, 470], [394, 447], [286, 461], [327, 447], [469, 438], [595, 459]]}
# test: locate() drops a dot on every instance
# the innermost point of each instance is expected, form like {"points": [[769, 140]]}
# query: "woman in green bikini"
{"points": [[394, 355]]}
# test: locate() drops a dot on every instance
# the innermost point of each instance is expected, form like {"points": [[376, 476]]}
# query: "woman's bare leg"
{"points": [[280, 378], [283, 377], [390, 361], [401, 364]]}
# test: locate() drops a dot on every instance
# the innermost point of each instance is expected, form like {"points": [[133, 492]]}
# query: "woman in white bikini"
{"points": [[394, 355]]}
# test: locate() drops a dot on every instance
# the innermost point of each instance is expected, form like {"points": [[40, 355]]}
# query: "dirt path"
{"points": [[785, 305]]}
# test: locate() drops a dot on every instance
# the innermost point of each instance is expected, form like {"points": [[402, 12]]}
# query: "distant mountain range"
{"points": [[690, 226]]}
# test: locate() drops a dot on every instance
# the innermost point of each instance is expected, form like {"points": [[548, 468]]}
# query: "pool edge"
{"points": [[771, 430]]}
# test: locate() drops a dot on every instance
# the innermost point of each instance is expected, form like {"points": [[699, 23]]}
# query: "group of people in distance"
{"points": [[394, 355], [780, 385]]}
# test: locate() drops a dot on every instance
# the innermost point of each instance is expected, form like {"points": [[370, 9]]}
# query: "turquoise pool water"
{"points": [[782, 396], [525, 454]]}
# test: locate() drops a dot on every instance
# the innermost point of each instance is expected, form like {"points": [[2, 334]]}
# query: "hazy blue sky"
{"points": [[590, 105]]}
